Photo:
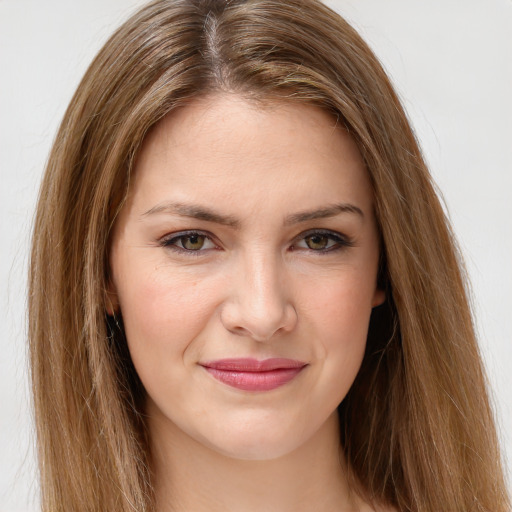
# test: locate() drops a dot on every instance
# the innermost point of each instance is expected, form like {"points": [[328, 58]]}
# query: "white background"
{"points": [[451, 61]]}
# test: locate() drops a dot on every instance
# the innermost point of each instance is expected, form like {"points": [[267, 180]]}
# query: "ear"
{"points": [[378, 297], [111, 299]]}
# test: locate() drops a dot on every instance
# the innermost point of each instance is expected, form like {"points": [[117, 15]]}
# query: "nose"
{"points": [[259, 305]]}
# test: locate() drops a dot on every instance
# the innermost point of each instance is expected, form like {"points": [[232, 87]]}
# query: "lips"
{"points": [[254, 375]]}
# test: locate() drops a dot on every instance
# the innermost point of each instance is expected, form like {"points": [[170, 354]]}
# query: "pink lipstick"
{"points": [[253, 375]]}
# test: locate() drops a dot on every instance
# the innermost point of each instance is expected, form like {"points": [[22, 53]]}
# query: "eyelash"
{"points": [[170, 242], [340, 241]]}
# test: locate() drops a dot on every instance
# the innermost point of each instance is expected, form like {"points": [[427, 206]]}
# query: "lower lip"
{"points": [[255, 381]]}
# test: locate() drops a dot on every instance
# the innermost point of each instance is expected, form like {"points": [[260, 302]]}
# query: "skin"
{"points": [[263, 283]]}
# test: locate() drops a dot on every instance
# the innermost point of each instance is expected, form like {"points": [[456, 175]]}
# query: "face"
{"points": [[244, 265]]}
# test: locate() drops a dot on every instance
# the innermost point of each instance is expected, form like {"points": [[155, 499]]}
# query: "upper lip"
{"points": [[253, 365]]}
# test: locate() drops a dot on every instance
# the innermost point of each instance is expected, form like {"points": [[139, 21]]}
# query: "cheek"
{"points": [[340, 313], [342, 306], [162, 313]]}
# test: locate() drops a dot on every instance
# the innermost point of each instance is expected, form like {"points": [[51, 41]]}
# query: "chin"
{"points": [[253, 451], [252, 444]]}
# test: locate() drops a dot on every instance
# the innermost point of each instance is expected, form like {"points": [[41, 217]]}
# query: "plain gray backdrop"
{"points": [[451, 62]]}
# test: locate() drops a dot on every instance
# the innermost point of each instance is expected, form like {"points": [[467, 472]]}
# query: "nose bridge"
{"points": [[264, 282], [260, 305]]}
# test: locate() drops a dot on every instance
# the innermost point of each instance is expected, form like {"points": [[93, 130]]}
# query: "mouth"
{"points": [[252, 374]]}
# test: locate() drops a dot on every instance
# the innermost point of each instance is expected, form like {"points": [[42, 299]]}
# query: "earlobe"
{"points": [[378, 297]]}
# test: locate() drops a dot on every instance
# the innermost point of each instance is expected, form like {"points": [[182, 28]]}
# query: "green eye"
{"points": [[322, 241], [193, 242], [317, 242], [189, 242]]}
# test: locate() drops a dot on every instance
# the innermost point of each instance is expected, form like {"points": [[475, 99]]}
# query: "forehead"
{"points": [[225, 145], [230, 124]]}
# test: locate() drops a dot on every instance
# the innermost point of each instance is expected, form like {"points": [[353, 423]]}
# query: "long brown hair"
{"points": [[417, 428]]}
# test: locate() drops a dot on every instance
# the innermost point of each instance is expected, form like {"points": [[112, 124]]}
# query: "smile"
{"points": [[254, 375]]}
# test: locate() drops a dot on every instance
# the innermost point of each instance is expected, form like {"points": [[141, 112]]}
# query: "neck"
{"points": [[192, 477]]}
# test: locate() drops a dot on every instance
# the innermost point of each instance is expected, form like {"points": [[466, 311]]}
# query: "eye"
{"points": [[191, 241], [322, 241]]}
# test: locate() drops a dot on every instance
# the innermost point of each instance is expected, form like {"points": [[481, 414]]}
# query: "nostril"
{"points": [[240, 331]]}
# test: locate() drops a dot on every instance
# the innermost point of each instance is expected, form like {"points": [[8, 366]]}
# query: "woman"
{"points": [[234, 293]]}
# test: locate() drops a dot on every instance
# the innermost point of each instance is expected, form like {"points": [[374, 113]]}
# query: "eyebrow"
{"points": [[195, 212], [204, 213], [323, 213]]}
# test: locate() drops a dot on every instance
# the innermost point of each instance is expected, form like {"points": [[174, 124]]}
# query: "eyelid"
{"points": [[166, 241], [343, 241]]}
